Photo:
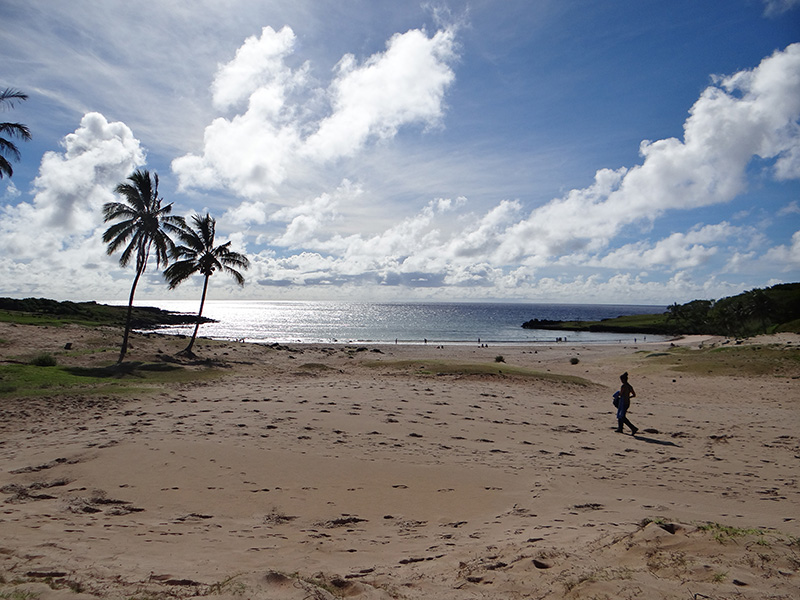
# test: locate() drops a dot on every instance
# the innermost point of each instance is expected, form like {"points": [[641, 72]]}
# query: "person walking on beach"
{"points": [[626, 392]]}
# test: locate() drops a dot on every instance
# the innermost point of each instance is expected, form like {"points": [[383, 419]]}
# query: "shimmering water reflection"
{"points": [[408, 323]]}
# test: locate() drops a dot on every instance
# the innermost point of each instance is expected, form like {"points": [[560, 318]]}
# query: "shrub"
{"points": [[574, 360], [499, 358], [44, 360]]}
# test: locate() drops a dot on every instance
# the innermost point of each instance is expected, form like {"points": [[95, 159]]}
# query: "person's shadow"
{"points": [[650, 440]]}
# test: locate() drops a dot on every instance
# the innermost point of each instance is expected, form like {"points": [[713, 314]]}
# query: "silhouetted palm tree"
{"points": [[12, 130], [143, 224], [197, 255]]}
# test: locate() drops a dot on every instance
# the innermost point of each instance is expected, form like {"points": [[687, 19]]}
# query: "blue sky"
{"points": [[547, 151]]}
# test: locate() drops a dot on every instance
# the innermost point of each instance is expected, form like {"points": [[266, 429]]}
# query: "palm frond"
{"points": [[9, 95], [118, 234], [116, 210], [198, 248], [5, 167], [17, 130], [180, 271]]}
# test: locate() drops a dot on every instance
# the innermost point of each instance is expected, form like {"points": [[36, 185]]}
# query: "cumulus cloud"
{"points": [[56, 235], [751, 113], [787, 256], [679, 251], [406, 84], [305, 221], [253, 152], [72, 185], [748, 114], [258, 64], [509, 248]]}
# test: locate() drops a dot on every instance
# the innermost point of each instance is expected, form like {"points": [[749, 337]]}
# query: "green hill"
{"points": [[41, 311], [770, 310]]}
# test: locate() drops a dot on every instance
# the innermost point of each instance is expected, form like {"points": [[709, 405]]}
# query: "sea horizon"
{"points": [[345, 322]]}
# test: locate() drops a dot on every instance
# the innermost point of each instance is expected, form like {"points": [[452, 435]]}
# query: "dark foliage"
{"points": [[92, 313], [751, 313]]}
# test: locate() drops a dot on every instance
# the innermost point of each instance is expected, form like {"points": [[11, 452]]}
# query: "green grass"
{"points": [[16, 594], [441, 367], [756, 360], [723, 533], [21, 380], [42, 320], [44, 360], [643, 324], [44, 312], [790, 327]]}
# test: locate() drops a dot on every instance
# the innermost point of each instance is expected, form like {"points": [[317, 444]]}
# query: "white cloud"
{"points": [[71, 187], [679, 251], [751, 113], [255, 151], [258, 64], [404, 85], [56, 239], [11, 192], [793, 208], [786, 255], [775, 8], [305, 221], [291, 145]]}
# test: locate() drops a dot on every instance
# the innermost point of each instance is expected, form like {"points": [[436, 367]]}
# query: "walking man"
{"points": [[626, 392]]}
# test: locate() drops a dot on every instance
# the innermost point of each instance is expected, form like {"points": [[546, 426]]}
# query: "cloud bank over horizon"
{"points": [[745, 115], [294, 163]]}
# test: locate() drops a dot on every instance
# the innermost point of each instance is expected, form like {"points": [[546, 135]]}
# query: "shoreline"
{"points": [[318, 471]]}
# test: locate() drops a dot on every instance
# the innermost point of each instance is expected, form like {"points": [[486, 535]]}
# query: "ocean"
{"points": [[406, 323]]}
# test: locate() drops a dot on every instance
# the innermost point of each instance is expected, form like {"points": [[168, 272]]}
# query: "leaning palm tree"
{"points": [[143, 224], [12, 130], [197, 255]]}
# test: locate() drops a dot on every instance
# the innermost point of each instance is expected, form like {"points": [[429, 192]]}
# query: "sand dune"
{"points": [[325, 472]]}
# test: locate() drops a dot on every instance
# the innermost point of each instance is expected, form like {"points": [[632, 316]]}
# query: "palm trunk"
{"points": [[124, 349], [188, 349], [141, 265]]}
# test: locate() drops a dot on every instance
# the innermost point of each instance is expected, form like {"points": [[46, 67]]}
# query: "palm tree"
{"points": [[143, 224], [197, 255], [12, 130]]}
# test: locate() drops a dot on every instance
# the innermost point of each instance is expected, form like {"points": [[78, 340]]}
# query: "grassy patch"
{"points": [[743, 361], [18, 594], [790, 327], [42, 311], [26, 319], [441, 367], [723, 533], [31, 381]]}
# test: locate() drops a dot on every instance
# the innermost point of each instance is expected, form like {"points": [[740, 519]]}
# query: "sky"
{"points": [[572, 151]]}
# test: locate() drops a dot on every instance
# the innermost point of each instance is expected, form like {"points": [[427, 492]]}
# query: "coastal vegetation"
{"points": [[198, 254], [142, 224], [439, 368], [33, 380], [756, 360], [9, 131], [52, 313], [758, 311]]}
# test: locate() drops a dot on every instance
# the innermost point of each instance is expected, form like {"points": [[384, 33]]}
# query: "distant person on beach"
{"points": [[626, 392]]}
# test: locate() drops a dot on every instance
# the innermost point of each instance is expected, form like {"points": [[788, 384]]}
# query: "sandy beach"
{"points": [[380, 472]]}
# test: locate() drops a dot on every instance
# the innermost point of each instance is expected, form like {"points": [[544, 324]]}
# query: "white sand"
{"points": [[309, 473]]}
